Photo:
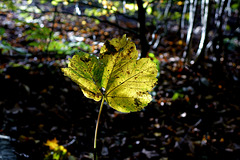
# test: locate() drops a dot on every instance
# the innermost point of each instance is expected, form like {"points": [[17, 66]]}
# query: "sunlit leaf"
{"points": [[116, 53], [53, 144], [235, 6], [125, 80], [128, 85], [2, 31], [155, 60], [83, 69], [177, 95]]}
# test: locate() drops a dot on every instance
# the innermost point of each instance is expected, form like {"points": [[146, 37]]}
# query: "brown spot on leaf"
{"points": [[137, 102], [85, 59], [130, 50], [139, 93], [110, 48]]}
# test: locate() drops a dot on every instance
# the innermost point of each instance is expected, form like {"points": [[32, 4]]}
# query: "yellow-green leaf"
{"points": [[128, 85], [116, 53], [84, 70], [125, 80]]}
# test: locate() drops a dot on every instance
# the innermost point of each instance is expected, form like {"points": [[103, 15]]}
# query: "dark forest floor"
{"points": [[194, 114]]}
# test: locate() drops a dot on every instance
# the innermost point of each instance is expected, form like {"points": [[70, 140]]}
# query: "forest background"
{"points": [[195, 109]]}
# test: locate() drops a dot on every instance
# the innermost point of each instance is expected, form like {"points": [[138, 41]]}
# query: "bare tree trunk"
{"points": [[183, 17], [180, 22], [167, 8], [165, 16], [218, 40], [192, 19], [165, 20], [142, 30], [124, 9], [205, 8]]}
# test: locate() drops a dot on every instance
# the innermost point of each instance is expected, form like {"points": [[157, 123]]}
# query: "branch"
{"points": [[93, 17], [116, 12]]}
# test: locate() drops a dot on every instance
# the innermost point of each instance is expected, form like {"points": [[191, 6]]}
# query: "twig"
{"points": [[93, 17], [116, 12]]}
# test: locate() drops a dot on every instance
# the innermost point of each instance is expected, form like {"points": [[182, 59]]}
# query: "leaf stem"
{"points": [[96, 129]]}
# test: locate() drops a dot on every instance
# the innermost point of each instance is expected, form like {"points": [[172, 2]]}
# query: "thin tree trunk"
{"points": [[183, 17], [205, 8], [142, 33], [217, 11], [192, 19], [124, 9], [180, 22], [167, 8], [165, 19], [219, 38]]}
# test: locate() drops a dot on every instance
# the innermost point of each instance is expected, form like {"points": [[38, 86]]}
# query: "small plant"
{"points": [[58, 152], [116, 77]]}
